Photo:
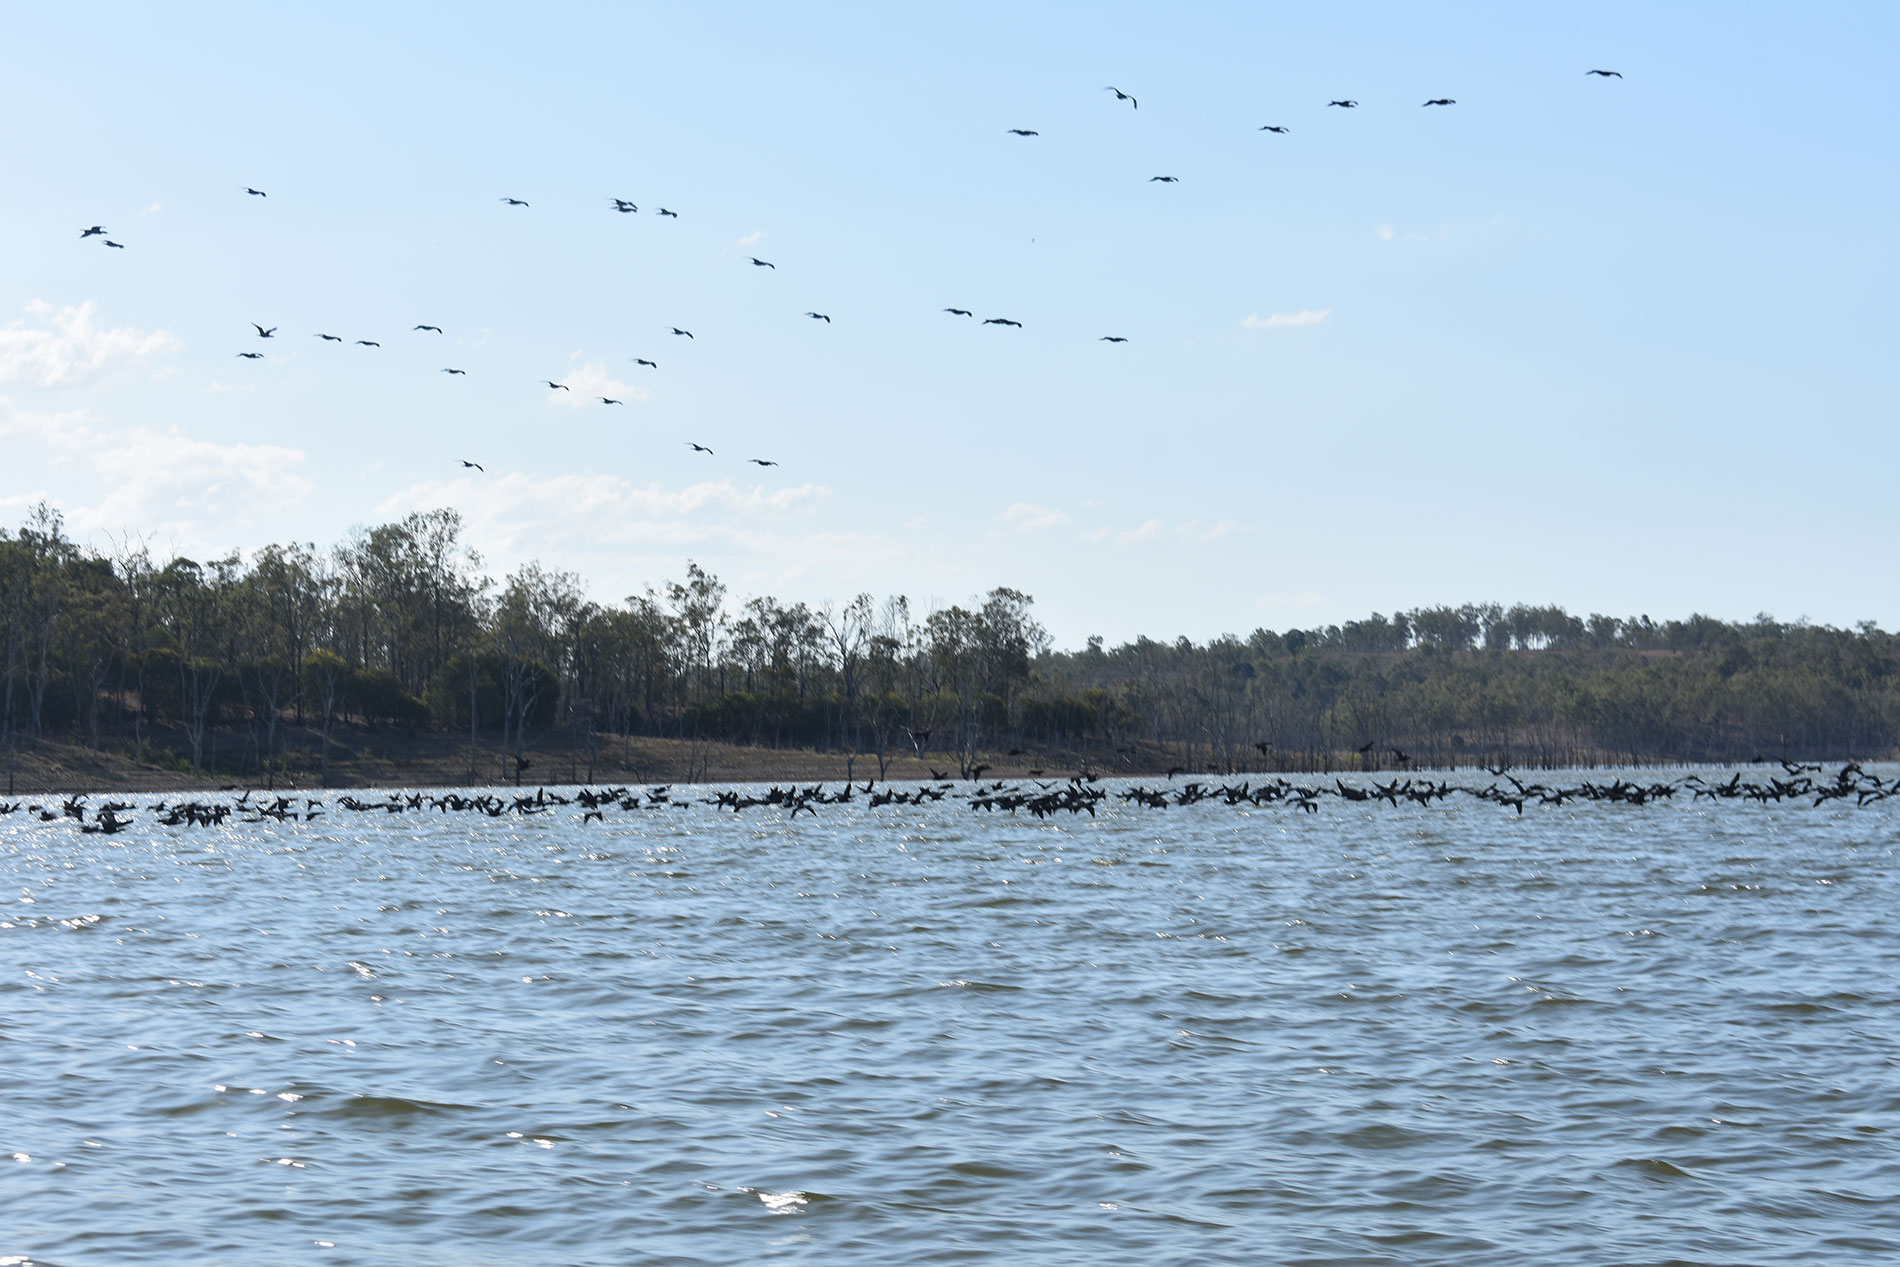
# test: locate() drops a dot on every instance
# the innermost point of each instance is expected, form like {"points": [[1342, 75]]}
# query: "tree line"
{"points": [[398, 626]]}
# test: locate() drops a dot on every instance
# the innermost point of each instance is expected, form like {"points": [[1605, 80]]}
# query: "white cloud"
{"points": [[1147, 532], [753, 238], [1281, 320], [1025, 517], [152, 210], [588, 381], [1383, 233], [59, 349]]}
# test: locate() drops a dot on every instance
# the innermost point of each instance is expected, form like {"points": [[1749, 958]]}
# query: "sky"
{"points": [[1622, 344]]}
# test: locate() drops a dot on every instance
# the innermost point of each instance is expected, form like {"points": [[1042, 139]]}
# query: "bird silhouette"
{"points": [[262, 333], [1112, 338], [761, 462], [609, 400], [639, 360], [1122, 96], [514, 202], [1605, 73], [95, 231], [1166, 180], [1272, 127], [698, 448], [961, 312], [663, 211], [819, 316], [367, 343], [252, 356], [1000, 321], [255, 193], [687, 333], [437, 329], [117, 246], [552, 385], [477, 465], [1344, 105], [623, 206], [449, 371], [1441, 101], [759, 263], [329, 337], [1023, 132]]}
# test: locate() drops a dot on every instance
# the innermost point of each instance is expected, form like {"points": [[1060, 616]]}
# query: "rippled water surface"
{"points": [[1594, 1034]]}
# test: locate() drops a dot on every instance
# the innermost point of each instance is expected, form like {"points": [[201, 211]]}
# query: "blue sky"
{"points": [[1624, 345]]}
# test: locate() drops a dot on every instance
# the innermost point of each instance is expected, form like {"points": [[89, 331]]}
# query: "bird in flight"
{"points": [[552, 385], [1441, 101], [437, 329], [117, 246], [262, 333], [252, 356], [449, 371], [819, 316], [699, 448], [1272, 127], [255, 193], [96, 230], [761, 462], [514, 202], [663, 211], [1000, 321], [609, 400], [641, 360], [1167, 180], [1112, 338], [329, 337], [1024, 132], [1605, 73], [477, 465], [961, 312], [687, 333], [367, 343], [1121, 96], [1344, 105], [623, 206], [759, 263]]}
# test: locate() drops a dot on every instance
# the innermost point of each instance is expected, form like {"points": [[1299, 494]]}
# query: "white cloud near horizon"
{"points": [[62, 348], [1027, 517], [1284, 320]]}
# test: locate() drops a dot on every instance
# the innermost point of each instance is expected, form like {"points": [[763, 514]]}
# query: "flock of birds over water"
{"points": [[625, 206], [1081, 793]]}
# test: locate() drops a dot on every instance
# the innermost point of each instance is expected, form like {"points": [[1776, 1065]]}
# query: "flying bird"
{"points": [[687, 333], [623, 206], [449, 371], [1441, 101], [609, 400], [819, 316], [330, 337], [477, 465], [761, 462], [117, 246], [1344, 105], [1605, 73], [759, 263], [1024, 132], [437, 329], [640, 360], [255, 193], [514, 202], [1169, 180], [552, 385], [95, 231], [367, 343], [252, 356], [1271, 127], [663, 211], [1121, 96], [699, 448], [1000, 321], [961, 312], [262, 333], [1112, 338]]}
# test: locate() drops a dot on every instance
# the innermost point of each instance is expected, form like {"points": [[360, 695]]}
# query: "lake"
{"points": [[1593, 1033]]}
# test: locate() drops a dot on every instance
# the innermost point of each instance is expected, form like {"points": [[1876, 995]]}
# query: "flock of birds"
{"points": [[1079, 794], [626, 206]]}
